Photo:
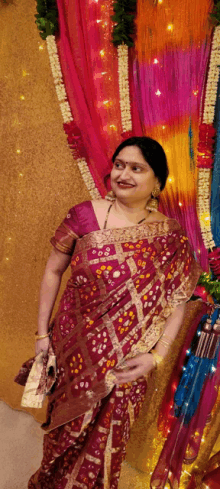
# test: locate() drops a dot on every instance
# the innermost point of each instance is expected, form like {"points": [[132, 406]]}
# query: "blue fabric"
{"points": [[195, 373], [215, 189]]}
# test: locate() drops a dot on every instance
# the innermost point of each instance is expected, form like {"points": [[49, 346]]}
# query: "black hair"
{"points": [[152, 152]]}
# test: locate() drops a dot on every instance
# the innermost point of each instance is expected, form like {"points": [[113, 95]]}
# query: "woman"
{"points": [[132, 273]]}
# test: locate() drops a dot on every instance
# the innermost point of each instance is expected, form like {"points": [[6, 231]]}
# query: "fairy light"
{"points": [[156, 61], [22, 97], [180, 204], [158, 93], [160, 1], [21, 175], [104, 73], [102, 53], [213, 368], [163, 127], [18, 151], [25, 73], [195, 92], [7, 259], [170, 27], [98, 21], [171, 179], [112, 126], [41, 47]]}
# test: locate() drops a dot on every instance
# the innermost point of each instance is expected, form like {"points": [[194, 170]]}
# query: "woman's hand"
{"points": [[42, 344], [134, 368]]}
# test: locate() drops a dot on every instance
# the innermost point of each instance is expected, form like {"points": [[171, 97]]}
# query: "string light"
{"points": [[195, 92], [41, 47], [98, 21], [180, 204], [158, 93], [102, 53], [156, 61], [18, 151], [112, 126], [7, 259], [21, 175], [171, 179], [170, 27], [22, 97], [25, 73], [104, 73], [163, 127], [160, 1]]}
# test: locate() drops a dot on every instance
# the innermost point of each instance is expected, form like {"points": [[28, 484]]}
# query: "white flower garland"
{"points": [[204, 174], [66, 111], [124, 93], [212, 80]]}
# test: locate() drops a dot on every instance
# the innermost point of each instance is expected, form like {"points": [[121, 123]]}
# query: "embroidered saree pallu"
{"points": [[123, 286]]}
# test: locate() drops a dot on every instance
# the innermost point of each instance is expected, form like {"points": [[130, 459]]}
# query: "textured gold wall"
{"points": [[37, 185]]}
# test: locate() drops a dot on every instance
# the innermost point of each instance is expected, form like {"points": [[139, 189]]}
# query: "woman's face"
{"points": [[132, 178]]}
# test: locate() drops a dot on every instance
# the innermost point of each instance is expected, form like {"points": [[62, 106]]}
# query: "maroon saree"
{"points": [[124, 285]]}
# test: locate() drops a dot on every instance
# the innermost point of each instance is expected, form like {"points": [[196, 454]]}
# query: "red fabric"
{"points": [[212, 480], [121, 281], [91, 80], [89, 450]]}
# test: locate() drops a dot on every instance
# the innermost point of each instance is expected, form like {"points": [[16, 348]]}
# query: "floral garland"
{"points": [[124, 92], [207, 134], [72, 131]]}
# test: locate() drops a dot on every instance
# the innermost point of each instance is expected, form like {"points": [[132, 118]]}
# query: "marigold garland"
{"points": [[74, 137], [207, 134]]}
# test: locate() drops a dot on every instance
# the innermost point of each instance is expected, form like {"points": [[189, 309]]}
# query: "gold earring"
{"points": [[153, 204], [110, 196]]}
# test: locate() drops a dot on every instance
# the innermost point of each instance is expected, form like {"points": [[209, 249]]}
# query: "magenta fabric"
{"points": [[176, 105], [82, 67], [82, 219]]}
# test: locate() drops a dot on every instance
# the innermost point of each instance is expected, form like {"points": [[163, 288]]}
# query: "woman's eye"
{"points": [[136, 168], [118, 165]]}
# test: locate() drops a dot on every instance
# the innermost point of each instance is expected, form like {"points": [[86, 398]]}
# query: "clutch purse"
{"points": [[37, 375]]}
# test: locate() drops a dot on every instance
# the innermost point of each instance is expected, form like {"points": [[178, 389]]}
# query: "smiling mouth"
{"points": [[125, 185]]}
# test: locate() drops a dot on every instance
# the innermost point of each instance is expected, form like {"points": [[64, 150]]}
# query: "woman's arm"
{"points": [[172, 327], [55, 267], [143, 363]]}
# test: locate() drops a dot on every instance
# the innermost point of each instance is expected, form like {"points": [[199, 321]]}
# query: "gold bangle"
{"points": [[164, 342], [41, 336], [157, 357]]}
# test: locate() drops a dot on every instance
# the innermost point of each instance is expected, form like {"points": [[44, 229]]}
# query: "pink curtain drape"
{"points": [[89, 65]]}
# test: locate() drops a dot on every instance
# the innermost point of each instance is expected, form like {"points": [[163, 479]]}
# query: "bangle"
{"points": [[157, 357], [41, 336], [164, 342]]}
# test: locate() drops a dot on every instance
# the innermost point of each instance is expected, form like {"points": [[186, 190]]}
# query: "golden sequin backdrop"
{"points": [[39, 183]]}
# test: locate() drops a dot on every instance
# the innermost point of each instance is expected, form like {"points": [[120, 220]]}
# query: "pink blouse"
{"points": [[80, 220]]}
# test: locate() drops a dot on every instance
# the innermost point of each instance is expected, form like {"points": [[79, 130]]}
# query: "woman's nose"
{"points": [[125, 175]]}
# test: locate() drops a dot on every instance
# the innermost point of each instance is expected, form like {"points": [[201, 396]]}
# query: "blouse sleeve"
{"points": [[66, 234]]}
